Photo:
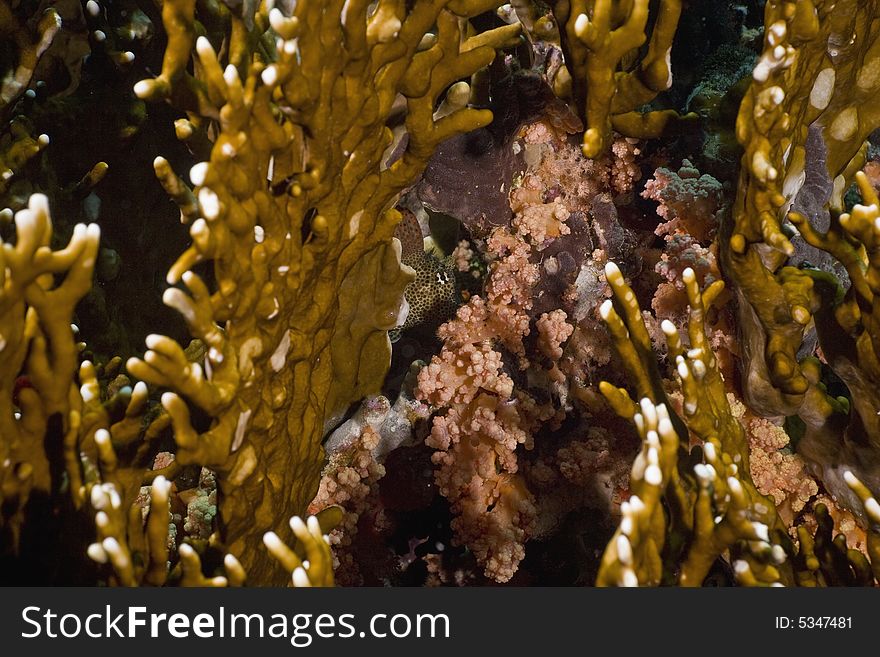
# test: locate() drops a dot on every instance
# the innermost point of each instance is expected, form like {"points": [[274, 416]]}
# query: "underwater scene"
{"points": [[440, 292]]}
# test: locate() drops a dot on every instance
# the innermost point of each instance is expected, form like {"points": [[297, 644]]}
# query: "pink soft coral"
{"points": [[689, 202], [475, 450]]}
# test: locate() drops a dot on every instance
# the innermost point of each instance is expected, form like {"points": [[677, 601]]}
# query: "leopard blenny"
{"points": [[434, 295]]}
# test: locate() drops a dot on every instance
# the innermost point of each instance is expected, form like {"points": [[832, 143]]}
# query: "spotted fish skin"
{"points": [[434, 294]]}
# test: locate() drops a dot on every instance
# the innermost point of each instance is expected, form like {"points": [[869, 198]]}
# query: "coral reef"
{"points": [[295, 216], [596, 37], [458, 292]]}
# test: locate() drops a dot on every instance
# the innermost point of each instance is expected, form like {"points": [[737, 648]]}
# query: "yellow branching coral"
{"points": [[601, 37], [849, 332], [854, 239], [872, 511], [702, 385], [29, 51], [824, 559], [690, 507], [316, 569], [17, 144], [803, 125], [295, 213], [719, 515], [37, 348], [713, 504], [807, 113], [132, 537], [113, 520], [137, 550]]}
